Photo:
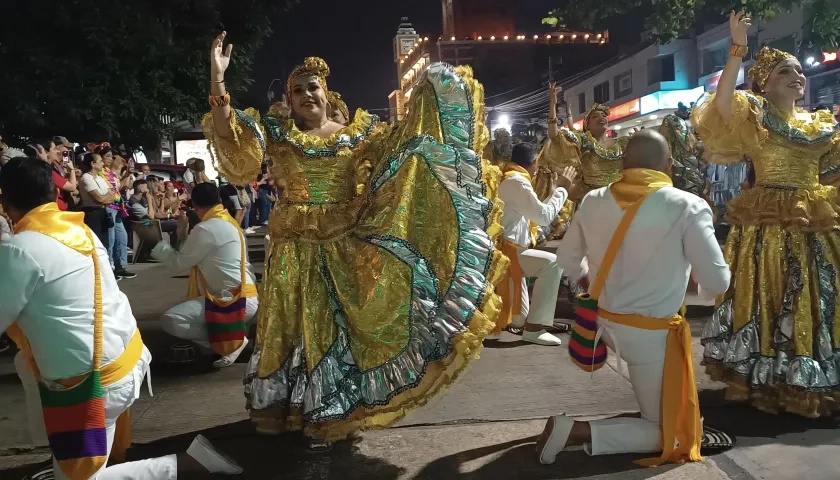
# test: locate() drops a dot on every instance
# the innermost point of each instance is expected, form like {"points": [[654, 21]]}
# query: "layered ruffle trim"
{"points": [[785, 382], [809, 209]]}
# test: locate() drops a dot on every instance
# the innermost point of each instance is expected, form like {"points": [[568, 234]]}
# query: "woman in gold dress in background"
{"points": [[775, 335], [596, 157], [378, 287]]}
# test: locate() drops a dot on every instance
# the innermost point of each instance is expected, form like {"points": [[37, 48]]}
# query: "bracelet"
{"points": [[219, 100], [739, 51], [218, 81], [552, 121]]}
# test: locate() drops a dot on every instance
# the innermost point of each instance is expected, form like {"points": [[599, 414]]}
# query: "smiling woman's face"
{"points": [[786, 81], [309, 100]]}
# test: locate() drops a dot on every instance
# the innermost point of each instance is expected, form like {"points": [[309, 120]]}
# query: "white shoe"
{"points": [[230, 359], [211, 459], [554, 437], [250, 231], [541, 338]]}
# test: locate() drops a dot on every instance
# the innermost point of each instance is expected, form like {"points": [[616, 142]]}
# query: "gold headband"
{"points": [[337, 103], [765, 61], [595, 108], [312, 67]]}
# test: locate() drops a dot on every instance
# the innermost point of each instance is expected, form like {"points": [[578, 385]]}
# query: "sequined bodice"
{"points": [[781, 162], [317, 181], [599, 171]]}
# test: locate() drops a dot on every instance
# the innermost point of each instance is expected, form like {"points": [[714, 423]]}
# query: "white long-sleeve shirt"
{"points": [[671, 237], [214, 246], [523, 206], [47, 288]]}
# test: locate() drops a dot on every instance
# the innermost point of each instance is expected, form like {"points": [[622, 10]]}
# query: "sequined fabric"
{"points": [[597, 166], [687, 171], [379, 279], [775, 335]]}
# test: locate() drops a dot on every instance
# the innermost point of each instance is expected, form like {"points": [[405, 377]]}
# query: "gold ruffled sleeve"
{"points": [[830, 164], [239, 158], [557, 153], [727, 142]]}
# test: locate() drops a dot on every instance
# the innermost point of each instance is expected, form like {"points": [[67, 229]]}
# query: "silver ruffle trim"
{"points": [[740, 351]]}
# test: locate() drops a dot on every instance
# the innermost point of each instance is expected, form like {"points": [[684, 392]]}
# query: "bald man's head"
{"points": [[647, 149]]}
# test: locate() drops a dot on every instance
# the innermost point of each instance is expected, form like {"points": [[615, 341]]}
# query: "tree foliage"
{"points": [[120, 70], [669, 19]]}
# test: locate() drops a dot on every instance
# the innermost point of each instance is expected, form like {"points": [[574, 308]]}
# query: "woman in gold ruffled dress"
{"points": [[378, 281], [775, 335], [596, 158]]}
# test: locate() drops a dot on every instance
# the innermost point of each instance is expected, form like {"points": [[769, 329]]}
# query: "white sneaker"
{"points": [[250, 231], [230, 359], [541, 338], [214, 461]]}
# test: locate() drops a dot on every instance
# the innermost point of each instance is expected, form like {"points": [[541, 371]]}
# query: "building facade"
{"points": [[643, 87]]}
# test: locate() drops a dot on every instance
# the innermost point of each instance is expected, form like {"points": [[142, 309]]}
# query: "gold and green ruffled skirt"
{"points": [[774, 338]]}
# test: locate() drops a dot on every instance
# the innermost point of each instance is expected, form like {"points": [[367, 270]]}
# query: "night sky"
{"points": [[356, 38]]}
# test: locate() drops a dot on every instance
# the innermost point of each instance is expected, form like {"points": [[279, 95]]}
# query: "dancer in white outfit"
{"points": [[671, 237], [524, 214], [60, 303], [214, 251]]}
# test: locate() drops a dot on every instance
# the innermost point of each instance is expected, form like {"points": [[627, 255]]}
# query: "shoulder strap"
{"points": [[614, 247]]}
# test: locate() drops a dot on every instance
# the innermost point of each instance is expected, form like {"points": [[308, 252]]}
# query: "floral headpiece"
{"points": [[312, 66], [594, 108], [337, 103], [96, 147], [765, 61]]}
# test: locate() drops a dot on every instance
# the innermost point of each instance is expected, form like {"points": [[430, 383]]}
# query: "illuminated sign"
{"points": [[668, 99], [829, 57], [616, 113], [711, 83]]}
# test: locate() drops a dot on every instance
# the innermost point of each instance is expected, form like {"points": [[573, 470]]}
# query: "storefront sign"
{"points": [[711, 83], [669, 99], [829, 57], [616, 113]]}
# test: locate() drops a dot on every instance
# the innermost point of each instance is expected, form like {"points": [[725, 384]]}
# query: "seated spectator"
{"points": [[141, 209]]}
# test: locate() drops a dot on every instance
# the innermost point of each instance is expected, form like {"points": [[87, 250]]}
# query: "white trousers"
{"points": [[118, 398], [186, 320], [644, 353], [543, 266]]}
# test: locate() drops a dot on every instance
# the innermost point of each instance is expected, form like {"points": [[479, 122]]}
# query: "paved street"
{"points": [[482, 428]]}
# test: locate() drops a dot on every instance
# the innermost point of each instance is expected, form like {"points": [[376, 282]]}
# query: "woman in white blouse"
{"points": [[95, 193]]}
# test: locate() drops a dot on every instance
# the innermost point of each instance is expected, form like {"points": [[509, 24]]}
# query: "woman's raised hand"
{"points": [[219, 58], [739, 26]]}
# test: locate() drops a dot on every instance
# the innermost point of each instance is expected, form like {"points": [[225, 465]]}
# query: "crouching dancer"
{"points": [[654, 235], [60, 303], [222, 293]]}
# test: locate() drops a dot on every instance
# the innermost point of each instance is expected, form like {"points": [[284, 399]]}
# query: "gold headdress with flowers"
{"points": [[765, 61], [312, 66], [597, 107], [337, 103]]}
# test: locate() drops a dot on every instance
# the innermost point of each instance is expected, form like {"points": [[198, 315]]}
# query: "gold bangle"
{"points": [[552, 121], [219, 100], [739, 51]]}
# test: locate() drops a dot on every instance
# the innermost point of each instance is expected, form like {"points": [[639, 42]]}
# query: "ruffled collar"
{"points": [[313, 146], [799, 126]]}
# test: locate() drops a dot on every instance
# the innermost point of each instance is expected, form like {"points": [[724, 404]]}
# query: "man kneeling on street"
{"points": [[60, 303], [222, 292], [655, 236], [524, 214]]}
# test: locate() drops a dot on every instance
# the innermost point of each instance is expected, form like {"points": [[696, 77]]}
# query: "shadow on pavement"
{"points": [[518, 459], [744, 421], [277, 457]]}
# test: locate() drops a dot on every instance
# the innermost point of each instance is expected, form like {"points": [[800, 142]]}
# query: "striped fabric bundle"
{"points": [[226, 328], [75, 423], [587, 353]]}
